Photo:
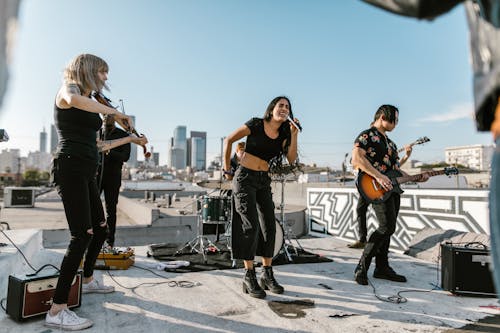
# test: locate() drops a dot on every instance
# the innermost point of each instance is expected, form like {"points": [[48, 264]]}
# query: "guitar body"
{"points": [[372, 191]]}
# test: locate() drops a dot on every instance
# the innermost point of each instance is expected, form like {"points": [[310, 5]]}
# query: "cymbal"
{"points": [[215, 184]]}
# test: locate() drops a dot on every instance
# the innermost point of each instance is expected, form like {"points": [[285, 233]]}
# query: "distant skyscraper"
{"points": [[54, 139], [178, 151], [43, 141], [197, 150], [132, 161], [156, 159]]}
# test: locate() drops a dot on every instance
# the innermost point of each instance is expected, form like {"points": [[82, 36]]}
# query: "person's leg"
{"points": [[267, 236], [382, 269], [70, 178], [245, 228], [361, 210], [494, 198], [384, 213], [111, 193], [99, 229]]}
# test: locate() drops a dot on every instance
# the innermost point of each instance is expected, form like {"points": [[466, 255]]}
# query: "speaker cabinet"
{"points": [[466, 271], [32, 296], [19, 197]]}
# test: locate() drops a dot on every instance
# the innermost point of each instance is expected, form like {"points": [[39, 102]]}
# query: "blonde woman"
{"points": [[77, 119]]}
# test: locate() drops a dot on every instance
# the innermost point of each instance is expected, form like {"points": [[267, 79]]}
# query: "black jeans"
{"points": [[110, 184], [361, 209], [379, 241], [75, 180], [254, 226]]}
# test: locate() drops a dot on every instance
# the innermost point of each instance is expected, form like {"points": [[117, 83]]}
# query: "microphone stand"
{"points": [[288, 232]]}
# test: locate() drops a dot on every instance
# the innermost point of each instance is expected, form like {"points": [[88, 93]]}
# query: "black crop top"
{"points": [[259, 144], [77, 132]]}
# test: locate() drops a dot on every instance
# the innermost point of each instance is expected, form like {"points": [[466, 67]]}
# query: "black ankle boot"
{"points": [[360, 275], [267, 281], [361, 271], [251, 286]]}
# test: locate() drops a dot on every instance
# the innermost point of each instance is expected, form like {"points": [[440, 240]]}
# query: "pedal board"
{"points": [[115, 258], [32, 296]]}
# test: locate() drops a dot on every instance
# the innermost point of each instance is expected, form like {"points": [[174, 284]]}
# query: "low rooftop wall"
{"points": [[332, 212]]}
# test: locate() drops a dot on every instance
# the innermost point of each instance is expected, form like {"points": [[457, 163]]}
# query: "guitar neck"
{"points": [[403, 148], [405, 179]]}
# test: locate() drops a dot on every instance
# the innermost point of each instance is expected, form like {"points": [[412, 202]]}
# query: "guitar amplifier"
{"points": [[466, 271], [32, 296]]}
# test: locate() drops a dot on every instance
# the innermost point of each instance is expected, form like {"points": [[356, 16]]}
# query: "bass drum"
{"points": [[278, 243]]}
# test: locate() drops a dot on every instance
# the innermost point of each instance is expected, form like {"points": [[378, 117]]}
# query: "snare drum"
{"points": [[279, 241], [215, 209]]}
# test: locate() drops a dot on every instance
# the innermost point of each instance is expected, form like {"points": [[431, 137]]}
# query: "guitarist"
{"points": [[362, 206], [375, 154]]}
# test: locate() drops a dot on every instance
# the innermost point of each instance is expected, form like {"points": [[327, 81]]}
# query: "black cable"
{"points": [[398, 299], [1, 304], [40, 269], [170, 283], [10, 240]]}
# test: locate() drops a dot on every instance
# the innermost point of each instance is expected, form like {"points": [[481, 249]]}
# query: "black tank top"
{"points": [[77, 132], [259, 144]]}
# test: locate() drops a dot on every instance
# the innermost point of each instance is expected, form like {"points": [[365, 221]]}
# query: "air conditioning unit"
{"points": [[19, 197]]}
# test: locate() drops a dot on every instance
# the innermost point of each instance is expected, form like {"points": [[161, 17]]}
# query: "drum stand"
{"points": [[289, 234], [200, 243]]}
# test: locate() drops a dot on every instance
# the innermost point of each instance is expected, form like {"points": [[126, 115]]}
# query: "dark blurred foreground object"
{"points": [[483, 17], [3, 136]]}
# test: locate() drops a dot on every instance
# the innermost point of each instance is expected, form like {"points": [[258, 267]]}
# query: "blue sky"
{"points": [[213, 64]]}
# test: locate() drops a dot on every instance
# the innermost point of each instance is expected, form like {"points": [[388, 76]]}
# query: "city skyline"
{"points": [[337, 61]]}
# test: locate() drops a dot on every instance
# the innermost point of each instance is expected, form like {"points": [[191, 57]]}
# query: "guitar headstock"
{"points": [[422, 140], [450, 171]]}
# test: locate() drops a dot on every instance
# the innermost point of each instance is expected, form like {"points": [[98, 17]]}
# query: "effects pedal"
{"points": [[115, 258]]}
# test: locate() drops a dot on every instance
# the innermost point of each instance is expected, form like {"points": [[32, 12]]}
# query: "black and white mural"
{"points": [[332, 212]]}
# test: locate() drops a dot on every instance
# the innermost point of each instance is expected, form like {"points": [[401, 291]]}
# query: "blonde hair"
{"points": [[83, 69]]}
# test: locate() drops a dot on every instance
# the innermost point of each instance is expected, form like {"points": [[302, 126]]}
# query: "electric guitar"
{"points": [[419, 141], [373, 192]]}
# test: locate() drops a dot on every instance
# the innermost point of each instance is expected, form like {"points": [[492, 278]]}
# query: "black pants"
{"points": [[379, 241], [110, 184], [254, 225], [75, 179], [361, 209]]}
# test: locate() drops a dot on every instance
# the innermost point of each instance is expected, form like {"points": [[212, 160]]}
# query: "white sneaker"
{"points": [[96, 286], [67, 320]]}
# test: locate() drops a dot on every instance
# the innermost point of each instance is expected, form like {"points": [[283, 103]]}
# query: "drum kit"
{"points": [[214, 217]]}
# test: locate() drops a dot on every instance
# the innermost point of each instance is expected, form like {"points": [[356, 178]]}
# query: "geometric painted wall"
{"points": [[332, 212]]}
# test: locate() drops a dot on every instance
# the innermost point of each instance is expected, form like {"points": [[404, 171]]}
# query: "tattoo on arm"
{"points": [[72, 88]]}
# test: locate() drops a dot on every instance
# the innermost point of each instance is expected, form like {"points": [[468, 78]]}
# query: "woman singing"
{"points": [[268, 141], [74, 170]]}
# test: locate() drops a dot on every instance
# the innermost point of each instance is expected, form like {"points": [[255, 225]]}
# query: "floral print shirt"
{"points": [[381, 152]]}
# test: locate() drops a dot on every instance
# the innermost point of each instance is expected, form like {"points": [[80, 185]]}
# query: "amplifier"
{"points": [[466, 271], [32, 296]]}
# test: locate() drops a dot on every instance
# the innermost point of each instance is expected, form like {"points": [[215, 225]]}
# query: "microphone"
{"points": [[297, 126]]}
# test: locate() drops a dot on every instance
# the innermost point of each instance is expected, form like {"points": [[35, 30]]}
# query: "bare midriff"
{"points": [[253, 162]]}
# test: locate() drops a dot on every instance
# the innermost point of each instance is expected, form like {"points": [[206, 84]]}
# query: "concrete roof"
{"points": [[152, 301]]}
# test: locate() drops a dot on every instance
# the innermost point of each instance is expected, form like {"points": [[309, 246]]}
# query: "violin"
{"points": [[99, 97]]}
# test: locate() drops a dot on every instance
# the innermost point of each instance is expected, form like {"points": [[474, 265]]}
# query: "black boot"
{"points": [[267, 281], [361, 271], [251, 286], [360, 275]]}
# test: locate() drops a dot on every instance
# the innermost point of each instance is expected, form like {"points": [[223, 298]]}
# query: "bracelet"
{"points": [[231, 173]]}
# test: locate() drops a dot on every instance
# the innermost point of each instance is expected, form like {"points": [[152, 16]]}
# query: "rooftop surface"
{"points": [[319, 297]]}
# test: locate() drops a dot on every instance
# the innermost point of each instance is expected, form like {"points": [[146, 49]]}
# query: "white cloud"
{"points": [[459, 111]]}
